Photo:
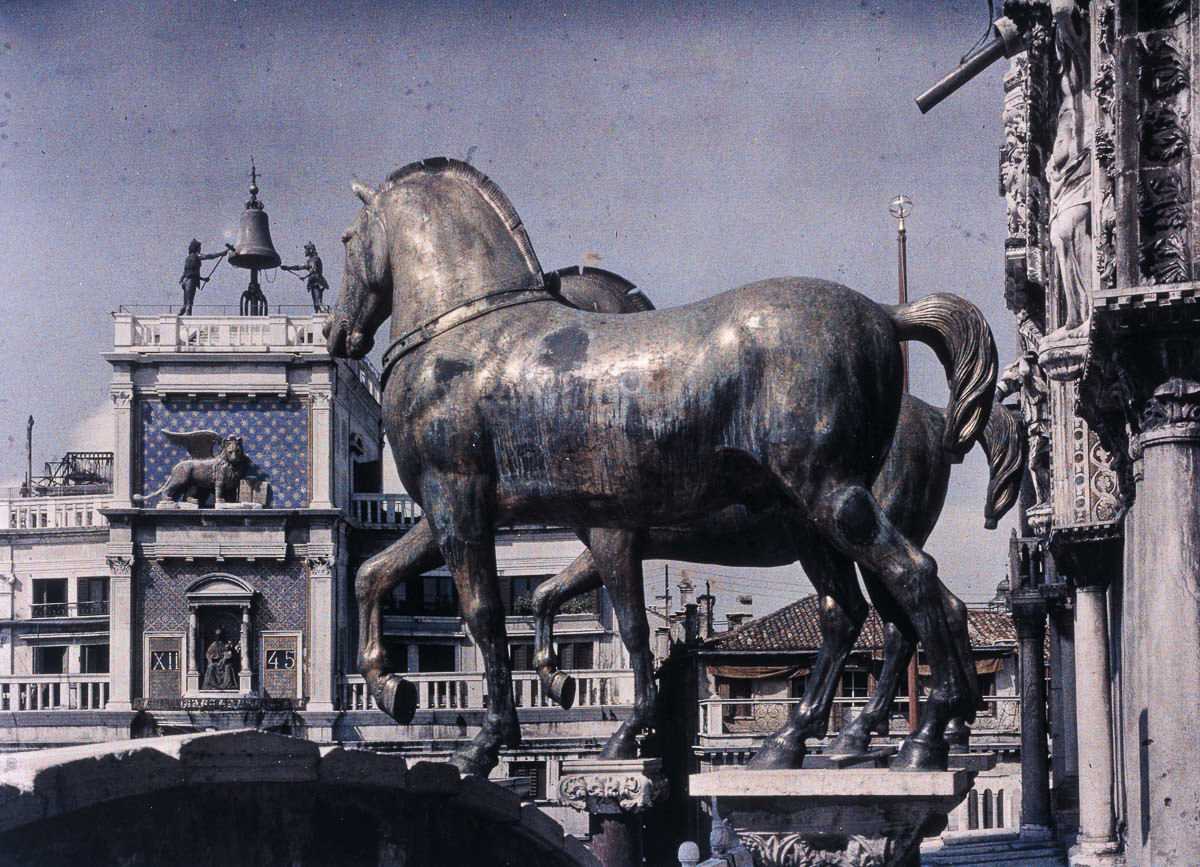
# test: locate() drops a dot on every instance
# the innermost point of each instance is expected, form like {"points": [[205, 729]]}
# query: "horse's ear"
{"points": [[363, 192]]}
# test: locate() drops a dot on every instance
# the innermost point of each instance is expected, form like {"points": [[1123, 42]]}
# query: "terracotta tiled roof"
{"points": [[798, 627]]}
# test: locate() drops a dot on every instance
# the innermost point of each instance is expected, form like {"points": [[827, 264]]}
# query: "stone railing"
{"points": [[384, 510], [466, 690], [751, 717], [53, 692], [53, 513]]}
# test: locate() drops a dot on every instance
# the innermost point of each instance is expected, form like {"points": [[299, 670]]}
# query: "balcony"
{"points": [[53, 692], [53, 512], [47, 610], [384, 511], [751, 719], [467, 690], [292, 329]]}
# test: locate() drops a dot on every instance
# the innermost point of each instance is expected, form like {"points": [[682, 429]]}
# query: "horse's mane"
{"points": [[485, 186]]}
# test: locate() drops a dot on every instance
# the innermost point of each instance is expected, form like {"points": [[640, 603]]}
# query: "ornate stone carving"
{"points": [[1175, 403], [611, 786], [122, 398], [121, 567], [795, 850], [320, 566]]}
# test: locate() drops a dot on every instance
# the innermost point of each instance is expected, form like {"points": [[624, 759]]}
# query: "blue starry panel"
{"points": [[274, 433], [280, 602]]}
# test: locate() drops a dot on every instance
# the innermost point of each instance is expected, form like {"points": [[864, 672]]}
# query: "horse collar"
{"points": [[455, 316]]}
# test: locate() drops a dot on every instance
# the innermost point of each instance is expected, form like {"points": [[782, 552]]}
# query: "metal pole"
{"points": [[29, 458], [900, 208]]}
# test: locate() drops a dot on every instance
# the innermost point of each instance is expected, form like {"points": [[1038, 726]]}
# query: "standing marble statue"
{"points": [[1025, 378], [315, 273], [1069, 172]]}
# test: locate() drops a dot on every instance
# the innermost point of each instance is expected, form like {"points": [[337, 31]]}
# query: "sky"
{"points": [[689, 146]]}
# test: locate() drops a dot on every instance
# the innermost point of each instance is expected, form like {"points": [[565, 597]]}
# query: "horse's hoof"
{"points": [[917, 754], [958, 735], [562, 688], [777, 754], [847, 744], [396, 697]]}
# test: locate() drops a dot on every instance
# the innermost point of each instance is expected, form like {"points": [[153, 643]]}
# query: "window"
{"points": [[739, 691], [797, 685], [438, 595], [397, 653], [50, 597], [93, 659], [50, 660], [856, 684], [575, 655], [987, 685], [521, 587], [93, 596], [435, 657], [535, 773], [521, 655]]}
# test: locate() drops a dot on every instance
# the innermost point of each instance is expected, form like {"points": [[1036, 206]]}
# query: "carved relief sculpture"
{"points": [[204, 473], [220, 669], [1025, 378], [1069, 172]]}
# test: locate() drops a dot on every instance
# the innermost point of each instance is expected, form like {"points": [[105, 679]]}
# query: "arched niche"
{"points": [[219, 604]]}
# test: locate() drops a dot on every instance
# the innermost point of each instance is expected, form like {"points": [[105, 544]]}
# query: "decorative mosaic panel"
{"points": [[281, 603], [274, 433], [166, 662], [280, 665]]}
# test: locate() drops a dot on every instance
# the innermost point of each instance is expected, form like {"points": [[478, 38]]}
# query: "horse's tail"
{"points": [[1005, 449], [960, 337]]}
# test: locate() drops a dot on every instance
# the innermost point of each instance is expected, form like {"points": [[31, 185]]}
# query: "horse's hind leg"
{"points": [[958, 731], [620, 566], [414, 553], [851, 518], [843, 611], [579, 577], [856, 737]]}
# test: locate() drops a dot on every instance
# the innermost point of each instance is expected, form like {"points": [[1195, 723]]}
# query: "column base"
{"points": [[1092, 852], [1037, 833]]}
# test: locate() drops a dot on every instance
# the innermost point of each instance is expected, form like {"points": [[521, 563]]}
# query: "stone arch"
{"points": [[250, 797]]}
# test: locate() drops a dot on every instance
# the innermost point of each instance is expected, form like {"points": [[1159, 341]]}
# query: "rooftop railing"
{"points": [[53, 513], [384, 510]]}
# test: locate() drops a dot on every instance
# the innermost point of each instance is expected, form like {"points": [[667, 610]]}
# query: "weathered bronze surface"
{"points": [[313, 274], [195, 478], [539, 412], [191, 280]]}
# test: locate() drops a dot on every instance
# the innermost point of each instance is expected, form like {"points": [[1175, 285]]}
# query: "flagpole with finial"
{"points": [[900, 208]]}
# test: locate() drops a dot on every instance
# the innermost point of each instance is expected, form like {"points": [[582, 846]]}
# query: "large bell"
{"points": [[254, 250]]}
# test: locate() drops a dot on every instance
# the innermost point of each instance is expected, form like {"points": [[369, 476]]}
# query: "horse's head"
{"points": [[366, 297]]}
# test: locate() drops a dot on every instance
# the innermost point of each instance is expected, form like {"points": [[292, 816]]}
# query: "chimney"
{"points": [[686, 587], [737, 618]]}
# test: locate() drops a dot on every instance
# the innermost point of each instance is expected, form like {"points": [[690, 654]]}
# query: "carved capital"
{"points": [[120, 567], [798, 850], [623, 789], [320, 566], [122, 398], [1173, 412]]}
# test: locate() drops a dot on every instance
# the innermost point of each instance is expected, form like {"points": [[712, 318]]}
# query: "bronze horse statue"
{"points": [[504, 405], [911, 488]]}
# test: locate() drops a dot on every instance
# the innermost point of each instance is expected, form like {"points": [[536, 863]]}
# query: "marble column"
{"points": [[1097, 843], [120, 632], [191, 673], [246, 674], [321, 668], [614, 794], [1160, 626], [1029, 616]]}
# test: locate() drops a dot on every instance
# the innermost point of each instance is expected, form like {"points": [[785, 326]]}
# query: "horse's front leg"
{"points": [[468, 544], [414, 553], [854, 738], [579, 577], [620, 566]]}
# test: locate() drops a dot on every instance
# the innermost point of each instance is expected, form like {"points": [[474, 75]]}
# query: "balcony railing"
{"points": [[759, 717], [467, 690], [384, 510], [95, 608], [53, 692], [53, 513]]}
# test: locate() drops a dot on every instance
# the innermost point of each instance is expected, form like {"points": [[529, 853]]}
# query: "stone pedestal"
{"points": [[614, 794], [850, 816]]}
